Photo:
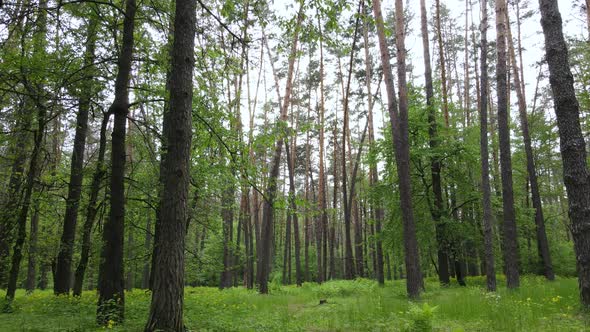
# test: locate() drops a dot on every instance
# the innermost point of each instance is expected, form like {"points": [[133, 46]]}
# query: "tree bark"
{"points": [[399, 124], [111, 302], [64, 258], [166, 308], [435, 165], [268, 209], [32, 263], [542, 242], [510, 234], [92, 208], [572, 145]]}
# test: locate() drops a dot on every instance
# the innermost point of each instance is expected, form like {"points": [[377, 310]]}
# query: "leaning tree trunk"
{"points": [[35, 89], [92, 208], [542, 242], [399, 123], [111, 283], [63, 272], [572, 145], [168, 281], [510, 234]]}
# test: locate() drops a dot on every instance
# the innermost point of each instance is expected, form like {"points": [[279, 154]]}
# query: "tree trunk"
{"points": [[64, 258], [145, 274], [111, 302], [92, 208], [227, 215], [442, 63], [376, 202], [542, 242], [268, 209], [510, 234], [435, 165], [572, 145], [399, 123], [349, 263], [168, 280], [32, 264]]}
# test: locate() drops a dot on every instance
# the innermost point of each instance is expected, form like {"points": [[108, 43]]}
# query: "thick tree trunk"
{"points": [[64, 258], [572, 145], [399, 123], [111, 302], [510, 234], [92, 208], [168, 280], [294, 218]]}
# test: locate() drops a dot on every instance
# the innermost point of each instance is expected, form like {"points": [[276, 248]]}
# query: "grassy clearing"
{"points": [[359, 305]]}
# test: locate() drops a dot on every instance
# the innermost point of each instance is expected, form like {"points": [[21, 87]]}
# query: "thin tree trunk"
{"points": [[92, 208], [435, 165], [63, 271], [542, 242], [442, 63], [32, 264], [268, 209]]}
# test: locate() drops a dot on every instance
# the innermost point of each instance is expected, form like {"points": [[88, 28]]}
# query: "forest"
{"points": [[302, 165]]}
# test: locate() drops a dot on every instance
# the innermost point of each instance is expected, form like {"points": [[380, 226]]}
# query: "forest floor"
{"points": [[359, 305]]}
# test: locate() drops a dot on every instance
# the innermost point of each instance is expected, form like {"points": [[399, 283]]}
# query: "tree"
{"points": [[111, 284], [572, 145], [435, 165], [542, 242], [168, 288], [399, 128], [270, 195], [488, 217], [509, 236], [64, 258]]}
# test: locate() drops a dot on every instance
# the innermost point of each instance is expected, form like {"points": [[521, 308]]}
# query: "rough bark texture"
{"points": [[168, 281], [510, 234], [64, 258], [572, 145], [111, 284], [399, 123]]}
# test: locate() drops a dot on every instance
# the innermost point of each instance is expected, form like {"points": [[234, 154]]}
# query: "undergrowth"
{"points": [[358, 305]]}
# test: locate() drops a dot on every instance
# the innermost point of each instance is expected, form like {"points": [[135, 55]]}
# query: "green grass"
{"points": [[359, 305]]}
